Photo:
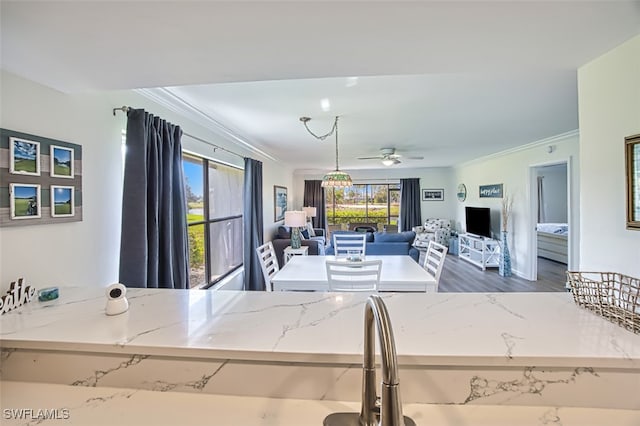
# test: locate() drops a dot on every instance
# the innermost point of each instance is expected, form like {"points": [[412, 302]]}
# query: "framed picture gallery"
{"points": [[40, 180]]}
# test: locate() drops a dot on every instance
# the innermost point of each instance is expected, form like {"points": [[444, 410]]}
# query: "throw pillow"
{"points": [[284, 232], [312, 232], [305, 234]]}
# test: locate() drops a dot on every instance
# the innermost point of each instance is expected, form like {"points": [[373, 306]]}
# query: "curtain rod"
{"points": [[126, 109]]}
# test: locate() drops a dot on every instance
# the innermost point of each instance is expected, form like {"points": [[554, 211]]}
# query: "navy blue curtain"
{"points": [[410, 214], [314, 197], [253, 224], [154, 243]]}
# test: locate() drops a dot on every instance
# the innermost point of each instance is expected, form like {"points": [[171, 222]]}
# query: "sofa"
{"points": [[384, 243], [438, 230], [282, 239]]}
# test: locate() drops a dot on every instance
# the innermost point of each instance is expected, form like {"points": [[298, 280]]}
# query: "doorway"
{"points": [[550, 253]]}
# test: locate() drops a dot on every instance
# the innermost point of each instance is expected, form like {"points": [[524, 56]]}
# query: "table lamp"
{"points": [[310, 212], [295, 219]]}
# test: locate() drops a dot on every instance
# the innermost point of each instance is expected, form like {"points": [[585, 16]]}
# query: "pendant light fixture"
{"points": [[335, 178]]}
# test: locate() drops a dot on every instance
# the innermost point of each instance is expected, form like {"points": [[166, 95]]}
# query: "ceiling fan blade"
{"points": [[415, 158], [369, 158]]}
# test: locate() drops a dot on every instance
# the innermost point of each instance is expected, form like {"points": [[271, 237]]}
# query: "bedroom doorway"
{"points": [[551, 217]]}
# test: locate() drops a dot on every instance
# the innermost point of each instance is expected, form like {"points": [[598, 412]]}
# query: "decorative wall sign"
{"points": [[462, 192], [491, 191], [279, 202], [17, 295], [433, 195], [31, 168]]}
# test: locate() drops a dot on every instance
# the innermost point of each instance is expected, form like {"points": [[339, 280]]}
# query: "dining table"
{"points": [[398, 273]]}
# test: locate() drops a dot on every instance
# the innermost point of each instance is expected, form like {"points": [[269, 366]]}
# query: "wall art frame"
{"points": [[25, 160], [491, 191], [632, 162], [62, 198], [24, 157], [25, 200], [61, 162], [279, 202], [433, 194]]}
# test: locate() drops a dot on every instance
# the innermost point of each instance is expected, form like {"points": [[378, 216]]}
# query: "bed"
{"points": [[552, 241]]}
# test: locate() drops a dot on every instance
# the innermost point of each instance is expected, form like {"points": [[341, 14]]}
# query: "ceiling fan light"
{"points": [[388, 162]]}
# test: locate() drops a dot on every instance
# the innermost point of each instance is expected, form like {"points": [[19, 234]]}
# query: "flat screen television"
{"points": [[478, 221]]}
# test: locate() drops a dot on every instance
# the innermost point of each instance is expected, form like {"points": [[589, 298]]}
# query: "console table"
{"points": [[481, 251]]}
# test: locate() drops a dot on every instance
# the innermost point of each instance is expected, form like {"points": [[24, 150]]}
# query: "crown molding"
{"points": [[171, 101], [560, 138]]}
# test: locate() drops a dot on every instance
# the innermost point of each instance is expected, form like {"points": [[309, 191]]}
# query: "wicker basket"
{"points": [[613, 296]]}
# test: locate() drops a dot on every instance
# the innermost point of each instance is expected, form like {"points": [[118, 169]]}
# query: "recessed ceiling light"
{"points": [[351, 81], [325, 104]]}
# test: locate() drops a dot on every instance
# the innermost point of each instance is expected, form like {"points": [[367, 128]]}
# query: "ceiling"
{"points": [[449, 81]]}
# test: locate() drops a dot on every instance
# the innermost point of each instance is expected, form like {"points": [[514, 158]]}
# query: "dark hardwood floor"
{"points": [[459, 276]]}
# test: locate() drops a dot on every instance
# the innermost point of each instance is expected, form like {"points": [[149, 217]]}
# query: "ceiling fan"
{"points": [[389, 157]]}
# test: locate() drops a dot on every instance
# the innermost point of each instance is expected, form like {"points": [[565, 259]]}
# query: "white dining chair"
{"points": [[434, 260], [345, 244], [268, 263], [353, 276]]}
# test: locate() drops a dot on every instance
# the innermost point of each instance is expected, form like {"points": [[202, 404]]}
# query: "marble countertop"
{"points": [[23, 402], [519, 329]]}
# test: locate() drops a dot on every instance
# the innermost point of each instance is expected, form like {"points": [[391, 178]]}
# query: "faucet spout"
{"points": [[390, 405], [386, 411]]}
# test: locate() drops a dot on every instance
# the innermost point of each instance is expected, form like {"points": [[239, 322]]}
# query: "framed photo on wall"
{"points": [[433, 195], [24, 157], [62, 198], [61, 162], [632, 160], [25, 201], [279, 202]]}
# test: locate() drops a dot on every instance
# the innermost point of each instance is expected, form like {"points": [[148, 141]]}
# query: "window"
{"points": [[367, 203], [215, 221]]}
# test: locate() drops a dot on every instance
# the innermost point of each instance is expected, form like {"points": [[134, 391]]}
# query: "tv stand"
{"points": [[481, 251]]}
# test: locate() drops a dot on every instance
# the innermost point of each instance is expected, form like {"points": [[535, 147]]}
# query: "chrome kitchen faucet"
{"points": [[386, 411]]}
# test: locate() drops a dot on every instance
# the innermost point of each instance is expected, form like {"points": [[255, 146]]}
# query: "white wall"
{"points": [[434, 177], [512, 169], [78, 253], [609, 110], [554, 190], [86, 253]]}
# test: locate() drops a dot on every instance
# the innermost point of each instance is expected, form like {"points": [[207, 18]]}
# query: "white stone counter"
{"points": [[516, 329], [523, 349], [126, 407]]}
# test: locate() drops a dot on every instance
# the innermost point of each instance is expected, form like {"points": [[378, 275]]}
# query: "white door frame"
{"points": [[533, 215]]}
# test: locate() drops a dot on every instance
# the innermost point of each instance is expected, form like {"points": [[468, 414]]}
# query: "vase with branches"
{"points": [[504, 267], [507, 206]]}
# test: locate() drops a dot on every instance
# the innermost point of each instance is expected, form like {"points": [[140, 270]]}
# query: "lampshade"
{"points": [[310, 211], [336, 178], [295, 218]]}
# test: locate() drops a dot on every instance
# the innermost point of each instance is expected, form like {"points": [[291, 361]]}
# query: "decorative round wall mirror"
{"points": [[462, 192]]}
